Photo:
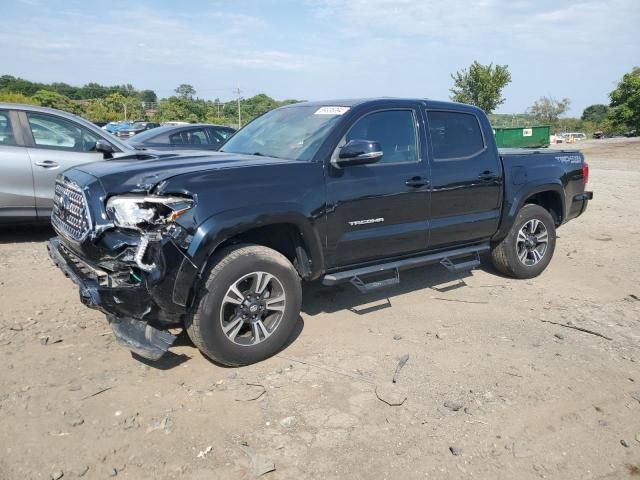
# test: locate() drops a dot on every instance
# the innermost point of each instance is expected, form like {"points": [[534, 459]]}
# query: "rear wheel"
{"points": [[527, 250], [248, 307]]}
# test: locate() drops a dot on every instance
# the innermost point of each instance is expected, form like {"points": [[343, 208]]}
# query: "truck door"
{"points": [[382, 209], [56, 145], [466, 179]]}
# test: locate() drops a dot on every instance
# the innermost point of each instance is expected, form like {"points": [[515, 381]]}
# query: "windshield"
{"points": [[293, 133]]}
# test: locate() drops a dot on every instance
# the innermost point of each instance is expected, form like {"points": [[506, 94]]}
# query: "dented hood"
{"points": [[133, 174]]}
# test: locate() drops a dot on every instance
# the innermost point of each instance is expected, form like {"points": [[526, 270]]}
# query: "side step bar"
{"points": [[445, 258], [462, 266]]}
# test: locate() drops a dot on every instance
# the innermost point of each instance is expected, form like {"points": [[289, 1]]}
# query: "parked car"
{"points": [[113, 127], [183, 137], [570, 137], [337, 191], [37, 143], [135, 128]]}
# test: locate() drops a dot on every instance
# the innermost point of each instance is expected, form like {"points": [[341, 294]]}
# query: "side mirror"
{"points": [[105, 148], [358, 152]]}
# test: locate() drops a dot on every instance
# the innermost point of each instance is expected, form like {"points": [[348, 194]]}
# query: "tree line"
{"points": [[482, 86], [97, 102]]}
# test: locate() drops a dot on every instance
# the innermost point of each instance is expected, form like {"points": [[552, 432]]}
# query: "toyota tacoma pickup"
{"points": [[344, 191]]}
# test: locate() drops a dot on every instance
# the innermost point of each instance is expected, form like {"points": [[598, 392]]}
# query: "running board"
{"points": [[445, 258], [461, 266], [366, 287]]}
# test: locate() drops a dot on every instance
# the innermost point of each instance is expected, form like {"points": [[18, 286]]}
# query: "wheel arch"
{"points": [[551, 200], [550, 196], [283, 229]]}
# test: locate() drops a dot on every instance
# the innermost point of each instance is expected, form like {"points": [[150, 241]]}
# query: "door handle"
{"points": [[417, 182], [487, 176], [48, 164]]}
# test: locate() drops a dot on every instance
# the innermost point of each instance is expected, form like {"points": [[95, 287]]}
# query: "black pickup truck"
{"points": [[344, 191]]}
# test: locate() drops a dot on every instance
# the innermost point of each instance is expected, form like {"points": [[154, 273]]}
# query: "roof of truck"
{"points": [[353, 102]]}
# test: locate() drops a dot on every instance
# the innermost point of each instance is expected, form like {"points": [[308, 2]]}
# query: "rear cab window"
{"points": [[6, 131], [455, 135]]}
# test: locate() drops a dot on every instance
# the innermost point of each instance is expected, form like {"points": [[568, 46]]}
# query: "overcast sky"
{"points": [[322, 49]]}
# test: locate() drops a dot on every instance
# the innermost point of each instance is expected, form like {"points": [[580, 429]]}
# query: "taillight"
{"points": [[585, 173]]}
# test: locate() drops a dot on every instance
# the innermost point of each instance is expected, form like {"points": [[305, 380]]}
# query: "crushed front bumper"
{"points": [[125, 306], [128, 301]]}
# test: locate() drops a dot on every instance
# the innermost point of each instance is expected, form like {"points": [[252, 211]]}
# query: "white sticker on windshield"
{"points": [[331, 110]]}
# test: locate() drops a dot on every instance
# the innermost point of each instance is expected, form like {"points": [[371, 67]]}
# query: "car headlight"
{"points": [[133, 211]]}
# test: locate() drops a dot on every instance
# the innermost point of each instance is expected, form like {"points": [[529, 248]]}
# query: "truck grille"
{"points": [[69, 211]]}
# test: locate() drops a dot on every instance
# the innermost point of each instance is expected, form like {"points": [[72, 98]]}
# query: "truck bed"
{"points": [[533, 151]]}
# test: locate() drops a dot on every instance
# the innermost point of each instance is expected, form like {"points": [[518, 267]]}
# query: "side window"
{"points": [[60, 134], [189, 137], [394, 130], [160, 139], [6, 132], [454, 135], [217, 136], [223, 132], [176, 138]]}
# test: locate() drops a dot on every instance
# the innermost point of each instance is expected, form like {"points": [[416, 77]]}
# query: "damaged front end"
{"points": [[126, 254]]}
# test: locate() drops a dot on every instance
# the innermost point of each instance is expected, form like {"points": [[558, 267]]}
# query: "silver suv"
{"points": [[36, 144]]}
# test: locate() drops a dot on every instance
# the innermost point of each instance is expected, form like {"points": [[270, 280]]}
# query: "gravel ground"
{"points": [[490, 389]]}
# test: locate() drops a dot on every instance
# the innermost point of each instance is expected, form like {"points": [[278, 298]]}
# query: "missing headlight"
{"points": [[134, 211]]}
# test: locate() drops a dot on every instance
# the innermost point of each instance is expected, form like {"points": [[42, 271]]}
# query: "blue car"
{"points": [[113, 127]]}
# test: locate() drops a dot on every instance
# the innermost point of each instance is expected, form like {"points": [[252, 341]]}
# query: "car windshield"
{"points": [[293, 133]]}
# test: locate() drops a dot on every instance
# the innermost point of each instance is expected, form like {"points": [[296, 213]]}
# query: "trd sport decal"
{"points": [[366, 222]]}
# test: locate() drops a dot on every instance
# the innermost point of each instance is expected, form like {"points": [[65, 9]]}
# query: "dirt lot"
{"points": [[487, 378]]}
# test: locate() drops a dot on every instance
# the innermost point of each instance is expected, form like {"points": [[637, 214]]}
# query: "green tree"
{"points": [[148, 96], [116, 102], [12, 97], [185, 90], [64, 89], [47, 98], [625, 102], [173, 109], [94, 90], [595, 113], [548, 109], [481, 85], [18, 85], [98, 111]]}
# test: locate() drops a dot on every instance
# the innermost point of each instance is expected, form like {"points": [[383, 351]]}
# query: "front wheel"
{"points": [[248, 307], [527, 249]]}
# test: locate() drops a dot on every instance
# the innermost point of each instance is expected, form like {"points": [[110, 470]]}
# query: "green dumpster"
{"points": [[522, 137]]}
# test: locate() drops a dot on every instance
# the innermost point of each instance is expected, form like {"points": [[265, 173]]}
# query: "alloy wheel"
{"points": [[532, 242], [252, 308]]}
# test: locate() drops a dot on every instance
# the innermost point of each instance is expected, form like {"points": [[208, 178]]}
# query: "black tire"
{"points": [[505, 254], [205, 327]]}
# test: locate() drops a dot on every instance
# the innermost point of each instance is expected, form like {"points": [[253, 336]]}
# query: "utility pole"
{"points": [[125, 111], [239, 118]]}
